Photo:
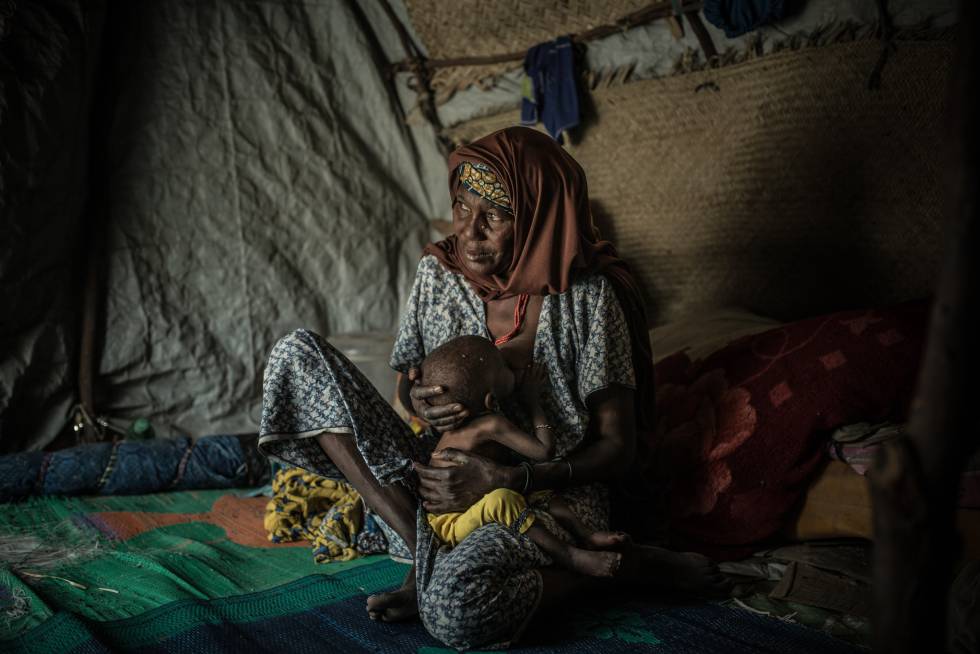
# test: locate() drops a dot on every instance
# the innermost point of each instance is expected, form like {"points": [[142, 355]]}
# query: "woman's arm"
{"points": [[606, 454]]}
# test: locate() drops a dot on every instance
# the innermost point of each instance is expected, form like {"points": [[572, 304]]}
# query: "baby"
{"points": [[472, 372]]}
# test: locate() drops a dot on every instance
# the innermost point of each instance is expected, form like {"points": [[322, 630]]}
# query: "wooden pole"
{"points": [[703, 37], [915, 480], [93, 228], [91, 299], [419, 66]]}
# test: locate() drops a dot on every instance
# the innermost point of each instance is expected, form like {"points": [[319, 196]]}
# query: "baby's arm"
{"points": [[496, 428], [507, 434]]}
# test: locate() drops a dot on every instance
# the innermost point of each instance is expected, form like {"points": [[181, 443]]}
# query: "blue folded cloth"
{"points": [[134, 467], [551, 91]]}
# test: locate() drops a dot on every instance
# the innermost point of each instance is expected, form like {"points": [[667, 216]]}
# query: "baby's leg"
{"points": [[586, 562], [596, 540]]}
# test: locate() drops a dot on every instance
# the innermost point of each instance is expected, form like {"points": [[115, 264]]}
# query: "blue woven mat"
{"points": [[321, 613]]}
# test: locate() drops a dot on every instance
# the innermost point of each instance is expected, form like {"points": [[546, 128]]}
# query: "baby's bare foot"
{"points": [[607, 540], [396, 606], [593, 563]]}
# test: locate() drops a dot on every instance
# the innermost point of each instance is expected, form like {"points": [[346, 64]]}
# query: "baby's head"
{"points": [[472, 372]]}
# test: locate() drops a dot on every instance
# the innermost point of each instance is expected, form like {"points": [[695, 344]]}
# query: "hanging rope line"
{"points": [[650, 13]]}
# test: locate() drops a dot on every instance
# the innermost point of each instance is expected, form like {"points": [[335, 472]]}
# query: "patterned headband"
{"points": [[478, 178]]}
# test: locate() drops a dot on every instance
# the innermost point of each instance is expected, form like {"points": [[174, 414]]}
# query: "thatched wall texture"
{"points": [[474, 28], [782, 184]]}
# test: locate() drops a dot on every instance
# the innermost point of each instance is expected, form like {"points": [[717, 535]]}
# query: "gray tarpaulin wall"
{"points": [[259, 177]]}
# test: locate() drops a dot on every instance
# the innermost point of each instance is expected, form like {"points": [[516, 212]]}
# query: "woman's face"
{"points": [[485, 233]]}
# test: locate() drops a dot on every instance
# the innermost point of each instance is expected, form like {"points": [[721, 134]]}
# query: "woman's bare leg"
{"points": [[395, 504], [688, 573], [561, 587], [672, 571], [643, 566]]}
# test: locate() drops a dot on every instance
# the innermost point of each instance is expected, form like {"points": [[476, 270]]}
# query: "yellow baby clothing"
{"points": [[502, 506]]}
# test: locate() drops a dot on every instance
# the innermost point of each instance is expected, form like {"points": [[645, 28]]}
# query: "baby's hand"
{"points": [[535, 377]]}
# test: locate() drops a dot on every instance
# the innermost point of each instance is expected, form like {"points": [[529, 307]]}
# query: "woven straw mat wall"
{"points": [[478, 28], [782, 185]]}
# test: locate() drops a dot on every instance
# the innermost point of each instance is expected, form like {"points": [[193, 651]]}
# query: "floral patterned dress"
{"points": [[483, 592]]}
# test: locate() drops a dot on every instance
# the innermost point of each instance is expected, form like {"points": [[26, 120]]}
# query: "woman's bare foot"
{"points": [[686, 572], [606, 540], [398, 605], [593, 563]]}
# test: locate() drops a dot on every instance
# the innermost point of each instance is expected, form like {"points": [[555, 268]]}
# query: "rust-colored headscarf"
{"points": [[555, 238]]}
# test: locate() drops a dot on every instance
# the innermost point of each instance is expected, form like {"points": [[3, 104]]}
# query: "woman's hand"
{"points": [[441, 418], [465, 479]]}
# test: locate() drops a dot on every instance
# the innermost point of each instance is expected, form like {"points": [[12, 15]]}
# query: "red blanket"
{"points": [[744, 430]]}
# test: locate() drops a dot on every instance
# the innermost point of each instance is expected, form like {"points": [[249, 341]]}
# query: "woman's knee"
{"points": [[483, 592], [307, 348], [464, 615], [298, 338]]}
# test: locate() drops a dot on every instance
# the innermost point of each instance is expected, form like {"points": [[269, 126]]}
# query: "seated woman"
{"points": [[524, 268]]}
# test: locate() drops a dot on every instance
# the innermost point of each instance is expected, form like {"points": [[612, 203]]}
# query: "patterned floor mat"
{"points": [[192, 572]]}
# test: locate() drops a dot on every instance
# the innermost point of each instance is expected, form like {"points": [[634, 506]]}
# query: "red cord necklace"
{"points": [[520, 310]]}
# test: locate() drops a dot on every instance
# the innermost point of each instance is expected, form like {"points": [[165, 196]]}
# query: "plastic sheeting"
{"points": [[48, 53], [261, 179]]}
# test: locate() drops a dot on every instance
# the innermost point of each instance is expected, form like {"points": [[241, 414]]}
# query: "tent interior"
{"points": [[183, 183]]}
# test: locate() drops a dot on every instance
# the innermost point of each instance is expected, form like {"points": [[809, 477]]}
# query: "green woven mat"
{"points": [[101, 577]]}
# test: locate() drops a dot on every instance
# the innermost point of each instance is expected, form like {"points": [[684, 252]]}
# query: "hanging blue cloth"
{"points": [[550, 90], [738, 17]]}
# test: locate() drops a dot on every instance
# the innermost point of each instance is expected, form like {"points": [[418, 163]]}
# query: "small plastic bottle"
{"points": [[140, 430]]}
